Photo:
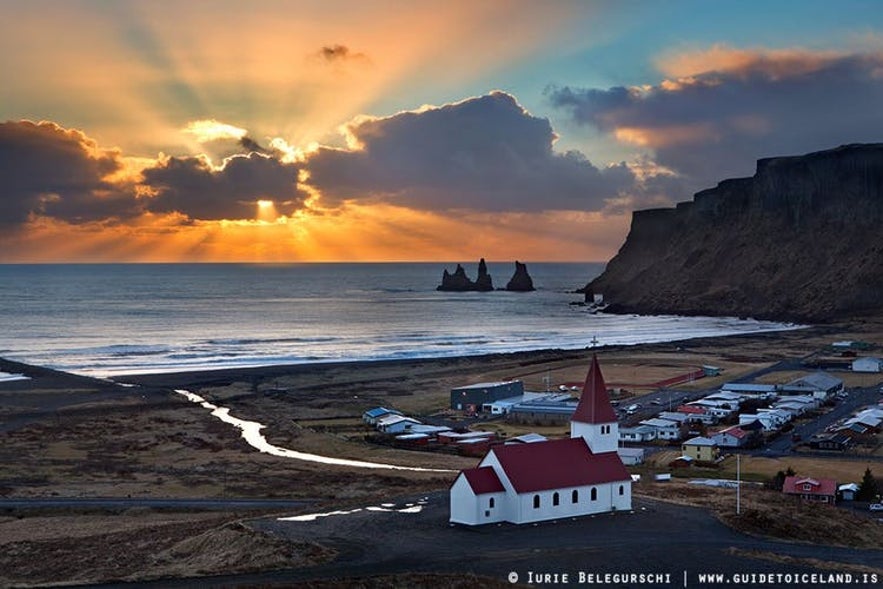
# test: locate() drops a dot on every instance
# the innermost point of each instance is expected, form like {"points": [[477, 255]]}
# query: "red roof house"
{"points": [[811, 489]]}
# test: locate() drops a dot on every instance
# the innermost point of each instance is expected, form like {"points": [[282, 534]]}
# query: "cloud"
{"points": [[484, 153], [193, 187], [731, 107], [339, 53], [55, 172]]}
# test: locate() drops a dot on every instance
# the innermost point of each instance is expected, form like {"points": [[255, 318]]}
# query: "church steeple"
{"points": [[594, 418]]}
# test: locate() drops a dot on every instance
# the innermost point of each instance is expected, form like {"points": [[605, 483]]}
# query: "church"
{"points": [[576, 476]]}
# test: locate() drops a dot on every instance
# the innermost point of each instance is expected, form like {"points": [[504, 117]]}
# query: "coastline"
{"points": [[91, 438]]}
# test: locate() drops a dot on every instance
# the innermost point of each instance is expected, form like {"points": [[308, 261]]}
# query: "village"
{"points": [[795, 408]]}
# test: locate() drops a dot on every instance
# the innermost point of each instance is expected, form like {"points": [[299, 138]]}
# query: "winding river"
{"points": [[251, 432]]}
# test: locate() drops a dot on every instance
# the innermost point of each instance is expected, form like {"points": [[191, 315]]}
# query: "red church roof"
{"points": [[557, 464], [594, 404], [483, 480]]}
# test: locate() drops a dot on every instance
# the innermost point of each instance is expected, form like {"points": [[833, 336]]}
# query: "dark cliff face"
{"points": [[800, 240]]}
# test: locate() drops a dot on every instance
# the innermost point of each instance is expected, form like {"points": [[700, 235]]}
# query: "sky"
{"points": [[313, 131]]}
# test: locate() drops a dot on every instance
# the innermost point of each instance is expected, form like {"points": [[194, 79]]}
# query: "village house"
{"points": [[553, 479], [811, 489], [838, 442], [732, 437], [472, 398], [638, 434], [820, 385], [715, 410], [396, 424], [867, 364], [751, 389], [549, 409], [372, 416], [699, 412], [847, 491], [666, 429], [701, 449]]}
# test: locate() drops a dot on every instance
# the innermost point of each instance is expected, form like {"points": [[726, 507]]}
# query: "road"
{"points": [[115, 503], [656, 537]]}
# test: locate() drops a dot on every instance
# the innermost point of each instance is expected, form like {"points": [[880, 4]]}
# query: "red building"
{"points": [[810, 489]]}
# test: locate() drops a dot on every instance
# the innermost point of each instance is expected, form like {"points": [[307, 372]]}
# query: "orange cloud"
{"points": [[666, 135], [774, 63], [351, 233]]}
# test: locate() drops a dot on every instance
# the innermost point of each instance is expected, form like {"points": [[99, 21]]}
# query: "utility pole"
{"points": [[738, 484]]}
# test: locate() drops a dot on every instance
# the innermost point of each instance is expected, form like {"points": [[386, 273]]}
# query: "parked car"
{"points": [[876, 507]]}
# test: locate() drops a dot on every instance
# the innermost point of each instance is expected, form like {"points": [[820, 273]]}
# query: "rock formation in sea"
{"points": [[460, 282], [800, 240], [521, 280], [483, 282]]}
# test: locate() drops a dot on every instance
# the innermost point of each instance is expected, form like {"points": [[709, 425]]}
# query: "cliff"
{"points": [[800, 240]]}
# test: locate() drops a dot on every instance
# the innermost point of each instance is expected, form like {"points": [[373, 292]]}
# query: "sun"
{"points": [[267, 210]]}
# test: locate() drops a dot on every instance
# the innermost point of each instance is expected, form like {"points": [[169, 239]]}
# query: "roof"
{"points": [[393, 419], [531, 438], [378, 411], [749, 387], [849, 487], [417, 436], [691, 409], [660, 423], [795, 485], [558, 464], [818, 380], [735, 431], [487, 385], [700, 441], [483, 480], [594, 404]]}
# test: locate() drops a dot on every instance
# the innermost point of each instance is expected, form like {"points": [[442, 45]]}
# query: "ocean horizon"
{"points": [[108, 320]]}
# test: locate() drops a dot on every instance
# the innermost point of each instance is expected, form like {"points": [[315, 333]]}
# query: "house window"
{"points": [[536, 501], [621, 490], [574, 497], [555, 499], [487, 513], [807, 487], [594, 494], [490, 503]]}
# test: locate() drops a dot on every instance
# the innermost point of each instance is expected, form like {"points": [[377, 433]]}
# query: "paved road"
{"points": [[113, 503], [656, 538]]}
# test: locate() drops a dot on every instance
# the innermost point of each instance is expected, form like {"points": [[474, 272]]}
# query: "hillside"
{"points": [[800, 240]]}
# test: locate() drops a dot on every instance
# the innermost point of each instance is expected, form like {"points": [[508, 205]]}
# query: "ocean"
{"points": [[114, 319]]}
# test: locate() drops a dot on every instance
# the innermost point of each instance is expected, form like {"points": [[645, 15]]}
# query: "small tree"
{"points": [[868, 490], [778, 481]]}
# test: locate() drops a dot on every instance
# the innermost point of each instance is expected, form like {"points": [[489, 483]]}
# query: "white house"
{"points": [[666, 429], [768, 422], [631, 456], [580, 475], [641, 433], [867, 365], [396, 424], [732, 437], [372, 416], [818, 384]]}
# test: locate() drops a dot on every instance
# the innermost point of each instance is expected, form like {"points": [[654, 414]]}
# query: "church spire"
{"points": [[594, 404]]}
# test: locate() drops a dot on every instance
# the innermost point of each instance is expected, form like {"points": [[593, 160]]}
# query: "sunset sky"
{"points": [[389, 131]]}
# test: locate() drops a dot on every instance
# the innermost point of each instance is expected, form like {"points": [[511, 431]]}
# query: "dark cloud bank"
{"points": [[715, 125]]}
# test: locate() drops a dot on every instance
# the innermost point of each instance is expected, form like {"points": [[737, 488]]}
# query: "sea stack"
{"points": [[483, 282], [459, 282], [521, 280]]}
